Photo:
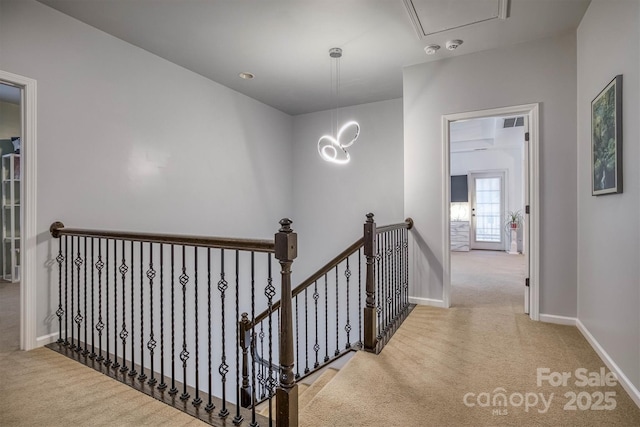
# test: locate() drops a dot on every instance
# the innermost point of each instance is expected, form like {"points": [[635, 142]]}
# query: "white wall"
{"points": [[608, 226], [331, 201], [127, 140], [539, 71]]}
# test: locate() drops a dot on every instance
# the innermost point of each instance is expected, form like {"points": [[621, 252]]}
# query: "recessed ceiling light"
{"points": [[246, 75], [431, 49], [453, 44]]}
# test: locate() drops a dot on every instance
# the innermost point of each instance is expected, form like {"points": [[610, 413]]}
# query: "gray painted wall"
{"points": [[330, 201], [608, 226], [541, 71], [127, 140]]}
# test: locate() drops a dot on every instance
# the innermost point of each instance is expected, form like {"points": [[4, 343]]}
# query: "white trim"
{"points": [[532, 110], [28, 279], [446, 227], [622, 378], [427, 301], [558, 320], [48, 339]]}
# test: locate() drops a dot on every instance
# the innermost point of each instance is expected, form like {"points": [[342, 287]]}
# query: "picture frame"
{"points": [[606, 139]]}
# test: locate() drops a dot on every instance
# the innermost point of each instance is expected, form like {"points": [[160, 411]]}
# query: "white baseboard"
{"points": [[427, 301], [613, 367], [47, 339], [559, 320]]}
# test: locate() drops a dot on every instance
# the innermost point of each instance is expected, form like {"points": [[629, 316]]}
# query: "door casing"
{"points": [[28, 188], [532, 218]]}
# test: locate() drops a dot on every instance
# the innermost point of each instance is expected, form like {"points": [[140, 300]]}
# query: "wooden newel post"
{"points": [[245, 342], [370, 314], [286, 242]]}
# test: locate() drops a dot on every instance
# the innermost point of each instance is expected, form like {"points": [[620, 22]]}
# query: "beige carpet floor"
{"points": [[483, 344]]}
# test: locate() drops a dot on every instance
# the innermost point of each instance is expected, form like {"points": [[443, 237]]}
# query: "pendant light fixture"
{"points": [[333, 148]]}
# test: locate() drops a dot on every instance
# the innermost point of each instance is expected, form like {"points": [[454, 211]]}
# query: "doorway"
{"points": [[20, 181], [494, 186], [10, 215]]}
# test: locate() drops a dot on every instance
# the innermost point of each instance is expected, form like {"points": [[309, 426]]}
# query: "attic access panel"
{"points": [[436, 16]]}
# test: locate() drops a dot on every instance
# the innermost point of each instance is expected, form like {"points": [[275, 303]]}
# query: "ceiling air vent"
{"points": [[512, 122]]}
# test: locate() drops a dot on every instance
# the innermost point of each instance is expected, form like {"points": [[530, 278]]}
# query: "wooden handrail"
{"points": [[408, 224], [58, 229], [318, 274]]}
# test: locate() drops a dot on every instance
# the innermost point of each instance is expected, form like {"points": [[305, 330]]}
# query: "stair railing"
{"points": [[353, 302], [130, 306], [118, 293]]}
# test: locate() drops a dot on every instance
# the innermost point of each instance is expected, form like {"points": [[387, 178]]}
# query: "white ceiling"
{"points": [[285, 43]]}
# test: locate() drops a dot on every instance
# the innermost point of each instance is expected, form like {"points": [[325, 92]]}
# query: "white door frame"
{"points": [[532, 219], [28, 282]]}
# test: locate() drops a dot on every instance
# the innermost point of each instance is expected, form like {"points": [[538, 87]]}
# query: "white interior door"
{"points": [[487, 210]]}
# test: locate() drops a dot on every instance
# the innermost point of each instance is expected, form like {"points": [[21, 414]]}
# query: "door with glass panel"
{"points": [[487, 210]]}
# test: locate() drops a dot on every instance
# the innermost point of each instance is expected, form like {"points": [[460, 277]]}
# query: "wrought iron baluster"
{"points": [[262, 369], [124, 333], [297, 339], [326, 319], [85, 352], [72, 345], [151, 344], [306, 332], [107, 361], [210, 406], [93, 334], [406, 267], [337, 352], [184, 354], [100, 324], [270, 291], [66, 291], [360, 297], [252, 342], [60, 311], [115, 364], [238, 418], [196, 400], [347, 327], [142, 376], [397, 273], [78, 318], [173, 390], [132, 371], [316, 296], [162, 386], [383, 273], [390, 272], [223, 369]]}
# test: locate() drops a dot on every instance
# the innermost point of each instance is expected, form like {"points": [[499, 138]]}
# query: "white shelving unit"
{"points": [[11, 217]]}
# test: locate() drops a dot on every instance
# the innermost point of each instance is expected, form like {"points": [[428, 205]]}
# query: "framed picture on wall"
{"points": [[606, 140]]}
